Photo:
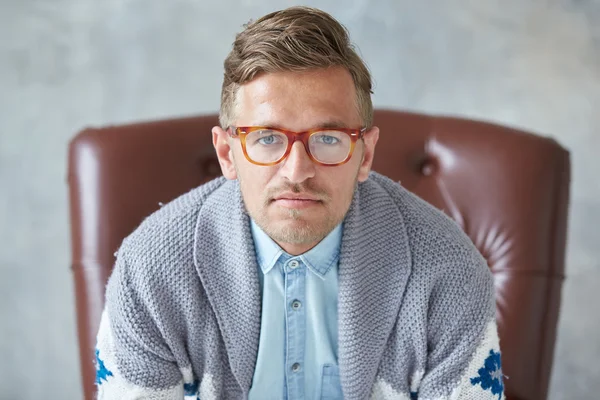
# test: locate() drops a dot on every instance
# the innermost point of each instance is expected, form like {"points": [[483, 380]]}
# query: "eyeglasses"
{"points": [[269, 146]]}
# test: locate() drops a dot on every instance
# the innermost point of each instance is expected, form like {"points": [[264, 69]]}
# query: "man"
{"points": [[300, 274]]}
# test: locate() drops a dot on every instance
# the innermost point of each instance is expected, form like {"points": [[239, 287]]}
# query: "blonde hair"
{"points": [[294, 39]]}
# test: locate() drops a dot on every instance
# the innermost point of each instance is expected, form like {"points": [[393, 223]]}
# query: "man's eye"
{"points": [[271, 139], [327, 139]]}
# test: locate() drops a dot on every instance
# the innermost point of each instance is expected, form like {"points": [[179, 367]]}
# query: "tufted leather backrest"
{"points": [[506, 188]]}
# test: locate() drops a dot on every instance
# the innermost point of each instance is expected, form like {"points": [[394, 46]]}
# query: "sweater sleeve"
{"points": [[132, 359], [464, 360]]}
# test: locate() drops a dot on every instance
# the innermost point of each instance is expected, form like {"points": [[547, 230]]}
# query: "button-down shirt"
{"points": [[298, 348]]}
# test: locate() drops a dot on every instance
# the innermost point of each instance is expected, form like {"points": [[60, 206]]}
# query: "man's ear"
{"points": [[224, 152], [369, 141]]}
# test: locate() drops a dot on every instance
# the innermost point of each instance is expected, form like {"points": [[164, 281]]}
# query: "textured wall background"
{"points": [[65, 64]]}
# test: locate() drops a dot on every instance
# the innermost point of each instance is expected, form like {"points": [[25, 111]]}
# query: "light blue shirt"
{"points": [[298, 347]]}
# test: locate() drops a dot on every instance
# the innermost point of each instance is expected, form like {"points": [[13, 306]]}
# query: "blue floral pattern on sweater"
{"points": [[102, 373], [191, 389], [490, 376]]}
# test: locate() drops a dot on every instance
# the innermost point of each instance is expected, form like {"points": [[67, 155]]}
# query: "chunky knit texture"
{"points": [[416, 303]]}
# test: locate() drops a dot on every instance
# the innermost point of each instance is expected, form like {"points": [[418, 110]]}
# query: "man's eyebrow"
{"points": [[331, 124]]}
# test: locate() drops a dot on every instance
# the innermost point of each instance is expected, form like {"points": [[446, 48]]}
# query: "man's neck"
{"points": [[296, 249]]}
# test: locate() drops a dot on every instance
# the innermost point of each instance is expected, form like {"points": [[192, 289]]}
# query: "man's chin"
{"points": [[295, 235], [294, 220], [294, 229], [298, 218]]}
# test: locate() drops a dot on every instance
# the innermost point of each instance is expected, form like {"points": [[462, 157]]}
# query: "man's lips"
{"points": [[296, 196], [296, 200]]}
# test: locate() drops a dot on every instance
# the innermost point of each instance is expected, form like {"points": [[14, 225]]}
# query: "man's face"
{"points": [[297, 202]]}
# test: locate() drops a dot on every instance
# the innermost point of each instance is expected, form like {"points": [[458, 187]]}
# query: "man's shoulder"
{"points": [[158, 257], [435, 240], [419, 216], [169, 231]]}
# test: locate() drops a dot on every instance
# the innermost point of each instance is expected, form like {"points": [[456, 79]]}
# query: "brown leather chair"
{"points": [[508, 189]]}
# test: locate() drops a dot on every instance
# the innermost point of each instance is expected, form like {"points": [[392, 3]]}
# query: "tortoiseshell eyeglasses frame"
{"points": [[243, 131]]}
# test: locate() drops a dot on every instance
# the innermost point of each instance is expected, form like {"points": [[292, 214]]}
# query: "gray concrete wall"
{"points": [[65, 64]]}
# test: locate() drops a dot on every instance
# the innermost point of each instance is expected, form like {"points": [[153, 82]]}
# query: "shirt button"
{"points": [[294, 264], [296, 304], [296, 367]]}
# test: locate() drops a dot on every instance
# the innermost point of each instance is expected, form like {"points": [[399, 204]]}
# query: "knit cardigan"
{"points": [[183, 306]]}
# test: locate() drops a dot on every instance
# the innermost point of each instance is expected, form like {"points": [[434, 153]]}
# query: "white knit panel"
{"points": [[207, 388], [114, 386], [416, 380], [474, 391], [468, 389], [384, 391]]}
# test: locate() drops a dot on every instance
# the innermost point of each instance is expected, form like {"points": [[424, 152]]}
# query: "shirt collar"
{"points": [[319, 259]]}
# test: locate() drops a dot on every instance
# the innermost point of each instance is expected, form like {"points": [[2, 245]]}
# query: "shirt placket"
{"points": [[295, 321]]}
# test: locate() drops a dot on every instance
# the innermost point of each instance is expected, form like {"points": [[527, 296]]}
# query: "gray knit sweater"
{"points": [[183, 305]]}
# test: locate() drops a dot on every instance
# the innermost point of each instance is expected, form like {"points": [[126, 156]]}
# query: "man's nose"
{"points": [[298, 166]]}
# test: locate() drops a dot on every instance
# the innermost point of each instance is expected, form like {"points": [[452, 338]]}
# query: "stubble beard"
{"points": [[301, 231], [293, 226], [295, 229]]}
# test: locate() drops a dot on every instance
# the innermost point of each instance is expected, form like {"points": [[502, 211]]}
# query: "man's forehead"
{"points": [[324, 98], [309, 79]]}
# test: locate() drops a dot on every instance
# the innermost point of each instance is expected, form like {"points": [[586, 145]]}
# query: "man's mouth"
{"points": [[296, 200]]}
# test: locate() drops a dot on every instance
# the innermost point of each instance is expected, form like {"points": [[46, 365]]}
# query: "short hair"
{"points": [[293, 39]]}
